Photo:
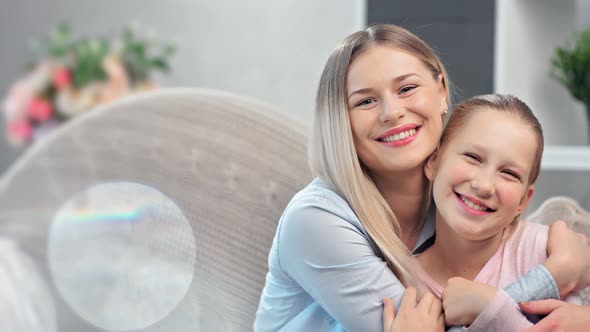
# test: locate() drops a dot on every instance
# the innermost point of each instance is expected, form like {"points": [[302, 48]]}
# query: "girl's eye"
{"points": [[473, 156], [407, 88], [365, 102], [512, 174]]}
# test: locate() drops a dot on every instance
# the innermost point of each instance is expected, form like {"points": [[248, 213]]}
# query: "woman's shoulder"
{"points": [[318, 227], [318, 208], [322, 197]]}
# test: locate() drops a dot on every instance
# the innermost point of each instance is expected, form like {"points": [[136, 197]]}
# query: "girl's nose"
{"points": [[483, 185]]}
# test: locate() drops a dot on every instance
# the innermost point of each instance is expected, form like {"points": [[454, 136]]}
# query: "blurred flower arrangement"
{"points": [[72, 76]]}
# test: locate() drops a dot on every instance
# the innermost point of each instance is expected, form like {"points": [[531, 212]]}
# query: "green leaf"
{"points": [[160, 63], [571, 66]]}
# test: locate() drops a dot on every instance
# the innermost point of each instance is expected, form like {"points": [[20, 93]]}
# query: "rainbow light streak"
{"points": [[88, 216]]}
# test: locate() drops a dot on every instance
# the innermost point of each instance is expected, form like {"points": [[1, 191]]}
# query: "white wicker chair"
{"points": [[567, 209], [230, 163]]}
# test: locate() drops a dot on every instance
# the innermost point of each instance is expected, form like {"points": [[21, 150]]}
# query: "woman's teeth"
{"points": [[399, 136]]}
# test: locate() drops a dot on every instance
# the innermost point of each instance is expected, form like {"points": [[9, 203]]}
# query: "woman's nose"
{"points": [[391, 110]]}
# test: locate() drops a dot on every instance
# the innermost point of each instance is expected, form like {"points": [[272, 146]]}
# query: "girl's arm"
{"points": [[497, 312]]}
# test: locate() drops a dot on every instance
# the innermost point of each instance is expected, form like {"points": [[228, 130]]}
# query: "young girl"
{"points": [[483, 177]]}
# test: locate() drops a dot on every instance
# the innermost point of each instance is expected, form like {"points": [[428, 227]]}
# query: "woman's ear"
{"points": [[430, 165], [442, 86]]}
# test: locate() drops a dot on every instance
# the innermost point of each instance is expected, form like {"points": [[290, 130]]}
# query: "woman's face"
{"points": [[395, 109]]}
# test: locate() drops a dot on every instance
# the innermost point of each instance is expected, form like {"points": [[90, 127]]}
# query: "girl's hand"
{"points": [[563, 316], [425, 316], [463, 300], [569, 258]]}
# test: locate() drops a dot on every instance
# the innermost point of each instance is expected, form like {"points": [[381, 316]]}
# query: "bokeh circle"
{"points": [[121, 255]]}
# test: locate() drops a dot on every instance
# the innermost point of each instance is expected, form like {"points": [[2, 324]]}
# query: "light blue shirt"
{"points": [[325, 273]]}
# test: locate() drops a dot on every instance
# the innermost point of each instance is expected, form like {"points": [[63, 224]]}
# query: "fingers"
{"points": [[441, 320], [544, 325], [436, 307], [558, 225], [426, 302], [541, 307], [409, 298], [388, 313]]}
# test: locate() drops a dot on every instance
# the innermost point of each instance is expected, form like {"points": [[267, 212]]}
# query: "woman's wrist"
{"points": [[558, 265]]}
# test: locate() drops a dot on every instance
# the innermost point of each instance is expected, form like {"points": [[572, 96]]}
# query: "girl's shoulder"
{"points": [[533, 230], [529, 241]]}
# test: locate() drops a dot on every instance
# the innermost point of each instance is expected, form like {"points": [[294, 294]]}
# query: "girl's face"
{"points": [[395, 109], [481, 174]]}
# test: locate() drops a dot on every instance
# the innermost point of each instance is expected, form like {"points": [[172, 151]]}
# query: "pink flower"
{"points": [[19, 131], [61, 77], [19, 97], [40, 78], [40, 109]]}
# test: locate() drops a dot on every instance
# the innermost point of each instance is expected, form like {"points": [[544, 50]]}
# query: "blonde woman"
{"points": [[344, 242]]}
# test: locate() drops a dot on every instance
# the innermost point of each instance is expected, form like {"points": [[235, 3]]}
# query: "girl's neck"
{"points": [[454, 256], [404, 193]]}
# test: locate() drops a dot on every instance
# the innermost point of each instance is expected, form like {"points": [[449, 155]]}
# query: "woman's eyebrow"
{"points": [[398, 79]]}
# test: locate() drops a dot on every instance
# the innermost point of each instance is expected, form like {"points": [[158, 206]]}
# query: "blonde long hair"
{"points": [[332, 152]]}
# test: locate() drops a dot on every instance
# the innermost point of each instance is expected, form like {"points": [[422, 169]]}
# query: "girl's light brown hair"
{"points": [[332, 152]]}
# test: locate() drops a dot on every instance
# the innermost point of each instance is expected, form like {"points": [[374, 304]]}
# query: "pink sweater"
{"points": [[516, 255]]}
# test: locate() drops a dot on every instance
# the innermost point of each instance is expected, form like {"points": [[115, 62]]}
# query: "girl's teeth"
{"points": [[400, 136], [473, 205]]}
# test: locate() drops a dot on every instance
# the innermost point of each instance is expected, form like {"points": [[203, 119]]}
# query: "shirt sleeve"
{"points": [[536, 284], [334, 262], [503, 314]]}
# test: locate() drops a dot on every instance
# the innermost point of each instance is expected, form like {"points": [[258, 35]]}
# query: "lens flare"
{"points": [[121, 255]]}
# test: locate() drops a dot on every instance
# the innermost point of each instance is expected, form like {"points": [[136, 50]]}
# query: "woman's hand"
{"points": [[569, 258], [425, 316], [463, 300], [563, 316]]}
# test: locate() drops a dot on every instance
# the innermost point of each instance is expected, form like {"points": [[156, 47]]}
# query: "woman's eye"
{"points": [[407, 88], [365, 102]]}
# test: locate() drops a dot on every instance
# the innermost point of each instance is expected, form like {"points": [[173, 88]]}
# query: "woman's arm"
{"points": [[333, 261], [568, 258], [567, 268]]}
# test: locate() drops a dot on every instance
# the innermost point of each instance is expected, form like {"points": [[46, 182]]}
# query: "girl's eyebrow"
{"points": [[398, 79]]}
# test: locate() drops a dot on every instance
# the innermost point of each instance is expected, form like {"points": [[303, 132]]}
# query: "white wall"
{"points": [[527, 32], [270, 50]]}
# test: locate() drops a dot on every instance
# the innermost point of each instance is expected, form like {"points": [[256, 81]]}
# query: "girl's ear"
{"points": [[430, 165], [526, 198]]}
